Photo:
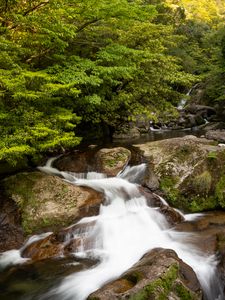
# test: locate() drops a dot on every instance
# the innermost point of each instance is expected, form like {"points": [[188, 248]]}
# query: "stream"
{"points": [[109, 244]]}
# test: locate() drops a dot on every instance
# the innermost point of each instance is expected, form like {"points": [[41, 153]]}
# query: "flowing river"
{"points": [[125, 229]]}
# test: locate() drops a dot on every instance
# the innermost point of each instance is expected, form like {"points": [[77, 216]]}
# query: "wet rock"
{"points": [[47, 202], [160, 274], [189, 170], [217, 135], [172, 216], [45, 248], [112, 161], [33, 280], [11, 233], [207, 231], [73, 162], [63, 243]]}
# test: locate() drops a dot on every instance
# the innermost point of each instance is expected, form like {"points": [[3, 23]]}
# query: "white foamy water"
{"points": [[13, 257], [125, 229]]}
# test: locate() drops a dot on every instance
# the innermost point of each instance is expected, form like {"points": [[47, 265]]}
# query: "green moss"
{"points": [[24, 189], [183, 293], [20, 187], [212, 155], [167, 185], [159, 288], [220, 191], [202, 183], [183, 152], [115, 158], [198, 203]]}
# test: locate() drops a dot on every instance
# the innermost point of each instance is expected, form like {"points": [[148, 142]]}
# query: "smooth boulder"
{"points": [[47, 202], [160, 274], [190, 171]]}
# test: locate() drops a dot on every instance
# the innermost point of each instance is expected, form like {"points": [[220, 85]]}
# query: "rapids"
{"points": [[125, 229]]}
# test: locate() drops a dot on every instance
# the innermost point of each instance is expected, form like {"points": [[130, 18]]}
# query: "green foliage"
{"points": [[64, 62], [168, 186], [220, 191], [202, 183]]}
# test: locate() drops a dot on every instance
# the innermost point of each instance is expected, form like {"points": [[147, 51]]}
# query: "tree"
{"points": [[63, 62]]}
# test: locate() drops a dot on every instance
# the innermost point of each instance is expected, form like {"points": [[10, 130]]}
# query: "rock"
{"points": [[172, 216], [160, 274], [217, 135], [142, 123], [212, 126], [190, 171], [112, 161], [203, 110], [150, 179], [209, 232], [46, 248], [73, 162], [46, 202], [209, 237], [126, 132], [63, 243], [11, 233]]}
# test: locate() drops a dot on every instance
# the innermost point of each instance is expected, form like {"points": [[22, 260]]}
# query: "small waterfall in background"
{"points": [[125, 229]]}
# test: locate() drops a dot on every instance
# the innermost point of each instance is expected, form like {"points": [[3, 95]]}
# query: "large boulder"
{"points": [[160, 274], [190, 170], [46, 201], [112, 161], [217, 135]]}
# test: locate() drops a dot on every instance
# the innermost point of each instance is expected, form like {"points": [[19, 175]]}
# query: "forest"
{"points": [[67, 67]]}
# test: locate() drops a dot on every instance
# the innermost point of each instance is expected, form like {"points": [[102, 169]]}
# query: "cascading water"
{"points": [[125, 229]]}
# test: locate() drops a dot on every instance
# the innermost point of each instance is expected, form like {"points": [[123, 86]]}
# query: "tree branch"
{"points": [[41, 4], [87, 24]]}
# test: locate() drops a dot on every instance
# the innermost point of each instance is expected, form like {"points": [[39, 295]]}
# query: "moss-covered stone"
{"points": [[46, 201], [191, 172], [159, 288], [111, 161], [157, 276]]}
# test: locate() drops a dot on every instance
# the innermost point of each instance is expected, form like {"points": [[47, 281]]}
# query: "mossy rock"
{"points": [[191, 172], [47, 201], [160, 274], [112, 161]]}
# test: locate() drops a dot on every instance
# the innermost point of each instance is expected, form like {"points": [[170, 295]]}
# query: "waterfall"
{"points": [[125, 229], [183, 101]]}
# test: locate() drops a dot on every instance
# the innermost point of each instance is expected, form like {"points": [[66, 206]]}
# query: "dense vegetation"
{"points": [[87, 62]]}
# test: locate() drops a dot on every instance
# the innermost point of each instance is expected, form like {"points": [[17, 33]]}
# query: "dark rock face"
{"points": [[160, 274], [11, 233]]}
